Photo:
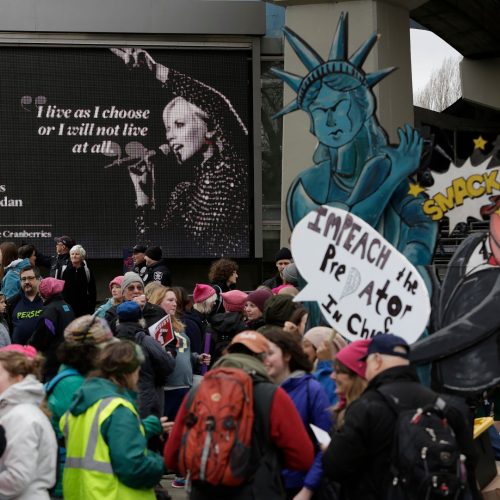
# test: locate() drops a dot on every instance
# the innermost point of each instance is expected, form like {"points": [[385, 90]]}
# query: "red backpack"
{"points": [[217, 434]]}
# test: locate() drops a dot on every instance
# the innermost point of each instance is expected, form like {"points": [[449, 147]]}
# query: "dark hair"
{"points": [[81, 356], [297, 315], [222, 269], [26, 251], [9, 254], [31, 268], [289, 345], [183, 300]]}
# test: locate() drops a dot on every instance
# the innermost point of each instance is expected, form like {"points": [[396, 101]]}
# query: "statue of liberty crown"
{"points": [[337, 64]]}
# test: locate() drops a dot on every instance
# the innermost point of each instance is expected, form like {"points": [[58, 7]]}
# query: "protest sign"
{"points": [[361, 283], [162, 330]]}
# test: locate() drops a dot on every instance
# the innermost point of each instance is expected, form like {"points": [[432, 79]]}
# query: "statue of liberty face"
{"points": [[336, 116]]}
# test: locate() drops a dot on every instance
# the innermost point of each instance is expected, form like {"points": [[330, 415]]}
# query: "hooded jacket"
{"points": [[313, 405], [11, 283], [132, 463], [28, 465], [154, 372]]}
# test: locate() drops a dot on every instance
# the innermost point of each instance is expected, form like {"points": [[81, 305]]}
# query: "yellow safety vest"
{"points": [[88, 473]]}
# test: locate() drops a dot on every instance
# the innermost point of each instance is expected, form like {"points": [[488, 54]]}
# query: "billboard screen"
{"points": [[118, 146]]}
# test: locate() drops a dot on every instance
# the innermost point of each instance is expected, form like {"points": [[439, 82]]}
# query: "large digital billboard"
{"points": [[118, 146]]}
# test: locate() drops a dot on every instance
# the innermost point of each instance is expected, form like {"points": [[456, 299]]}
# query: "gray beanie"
{"points": [[291, 274], [130, 277]]}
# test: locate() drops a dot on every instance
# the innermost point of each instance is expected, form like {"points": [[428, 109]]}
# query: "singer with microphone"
{"points": [[203, 132]]}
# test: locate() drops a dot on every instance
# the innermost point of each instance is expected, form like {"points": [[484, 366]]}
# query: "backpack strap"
{"points": [[51, 384]]}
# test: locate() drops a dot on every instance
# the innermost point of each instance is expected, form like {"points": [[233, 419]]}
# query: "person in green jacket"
{"points": [[106, 442], [83, 338]]}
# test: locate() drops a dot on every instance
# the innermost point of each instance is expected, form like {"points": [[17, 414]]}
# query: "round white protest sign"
{"points": [[361, 283]]}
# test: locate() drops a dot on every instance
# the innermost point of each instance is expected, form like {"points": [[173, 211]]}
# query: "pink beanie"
{"points": [[234, 300], [50, 286], [350, 356], [28, 350], [117, 280], [202, 292]]}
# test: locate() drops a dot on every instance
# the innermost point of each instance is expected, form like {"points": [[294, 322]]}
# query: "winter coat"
{"points": [[194, 330], [313, 406], [11, 283], [158, 272], [4, 332], [358, 456], [49, 333], [79, 289], [28, 466], [225, 326], [133, 464], [273, 282], [154, 372], [286, 440], [323, 374]]}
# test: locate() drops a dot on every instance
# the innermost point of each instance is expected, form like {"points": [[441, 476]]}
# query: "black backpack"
{"points": [[426, 463]]}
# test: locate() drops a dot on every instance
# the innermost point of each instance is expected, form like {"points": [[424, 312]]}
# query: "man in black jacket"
{"points": [[156, 268], [358, 456]]}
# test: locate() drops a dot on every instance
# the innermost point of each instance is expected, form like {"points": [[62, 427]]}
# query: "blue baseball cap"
{"points": [[387, 343]]}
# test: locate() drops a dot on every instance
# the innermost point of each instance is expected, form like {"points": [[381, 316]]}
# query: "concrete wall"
{"points": [[134, 16], [481, 81]]}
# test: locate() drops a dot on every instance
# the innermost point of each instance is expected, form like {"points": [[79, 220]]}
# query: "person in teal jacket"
{"points": [[123, 433], [11, 284], [83, 338]]}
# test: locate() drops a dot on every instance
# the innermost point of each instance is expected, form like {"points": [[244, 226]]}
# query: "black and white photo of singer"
{"points": [[200, 126]]}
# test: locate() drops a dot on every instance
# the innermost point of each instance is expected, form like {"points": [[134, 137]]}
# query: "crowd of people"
{"points": [[236, 401]]}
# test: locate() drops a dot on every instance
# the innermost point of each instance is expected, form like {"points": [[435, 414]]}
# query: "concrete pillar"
{"points": [[479, 79], [316, 23]]}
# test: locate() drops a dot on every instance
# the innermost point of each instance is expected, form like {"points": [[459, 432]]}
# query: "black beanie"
{"points": [[283, 254], [154, 253]]}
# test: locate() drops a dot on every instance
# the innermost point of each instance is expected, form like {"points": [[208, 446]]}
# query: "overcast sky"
{"points": [[428, 52]]}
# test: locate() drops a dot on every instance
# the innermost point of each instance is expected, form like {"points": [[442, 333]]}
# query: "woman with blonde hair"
{"points": [[181, 379], [321, 345], [349, 377], [28, 465]]}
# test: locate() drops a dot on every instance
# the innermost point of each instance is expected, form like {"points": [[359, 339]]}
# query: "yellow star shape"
{"points": [[416, 189], [479, 143]]}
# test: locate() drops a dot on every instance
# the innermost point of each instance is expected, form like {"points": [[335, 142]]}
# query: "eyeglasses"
{"points": [[28, 278], [131, 288]]}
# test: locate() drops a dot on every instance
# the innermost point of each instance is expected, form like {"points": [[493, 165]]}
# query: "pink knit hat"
{"points": [[50, 286], [350, 356], [117, 280], [234, 300], [202, 292], [28, 350]]}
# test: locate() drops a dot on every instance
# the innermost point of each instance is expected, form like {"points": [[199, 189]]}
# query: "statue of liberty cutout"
{"points": [[355, 168]]}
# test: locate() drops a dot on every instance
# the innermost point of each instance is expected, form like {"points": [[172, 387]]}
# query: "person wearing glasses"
{"points": [[24, 308], [133, 289]]}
